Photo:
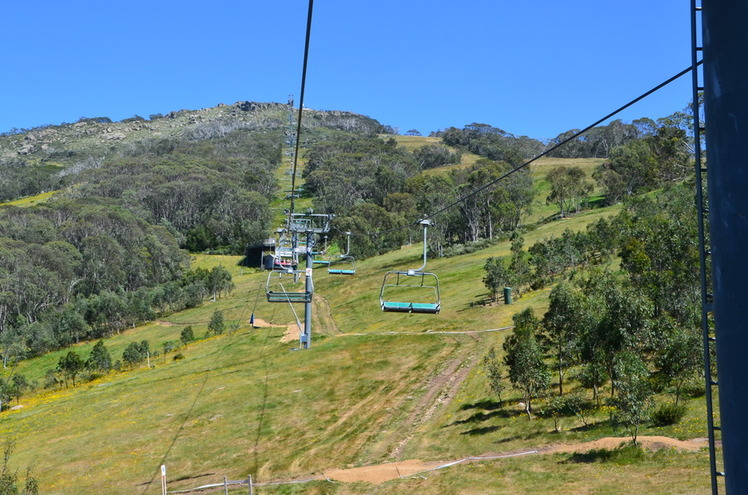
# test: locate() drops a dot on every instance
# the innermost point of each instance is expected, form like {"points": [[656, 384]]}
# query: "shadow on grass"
{"points": [[488, 405], [481, 416], [591, 426], [626, 453], [481, 431], [528, 436]]}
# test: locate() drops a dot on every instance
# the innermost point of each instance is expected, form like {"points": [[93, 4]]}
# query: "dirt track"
{"points": [[380, 473]]}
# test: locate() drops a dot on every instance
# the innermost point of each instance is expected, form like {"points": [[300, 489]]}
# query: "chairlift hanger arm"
{"points": [[425, 223]]}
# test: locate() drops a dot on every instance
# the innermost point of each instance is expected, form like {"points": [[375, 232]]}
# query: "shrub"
{"points": [[216, 324], [178, 356], [188, 335], [668, 414]]}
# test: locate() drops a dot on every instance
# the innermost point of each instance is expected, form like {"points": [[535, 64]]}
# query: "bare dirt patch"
{"points": [[441, 391], [647, 442], [380, 473], [324, 316], [292, 333], [260, 323]]}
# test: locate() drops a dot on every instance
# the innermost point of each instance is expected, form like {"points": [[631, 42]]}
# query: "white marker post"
{"points": [[163, 480]]}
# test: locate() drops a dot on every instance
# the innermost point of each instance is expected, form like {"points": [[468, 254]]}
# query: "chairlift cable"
{"points": [[563, 142], [301, 105]]}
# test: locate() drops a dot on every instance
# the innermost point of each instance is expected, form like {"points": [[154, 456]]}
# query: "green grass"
{"points": [[413, 142], [539, 169], [246, 403]]}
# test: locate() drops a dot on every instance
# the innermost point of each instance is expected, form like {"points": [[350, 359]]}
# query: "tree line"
{"points": [[73, 367], [72, 270], [635, 331], [376, 189], [213, 195]]}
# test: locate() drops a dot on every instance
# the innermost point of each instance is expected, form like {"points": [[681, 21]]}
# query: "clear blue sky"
{"points": [[534, 68]]}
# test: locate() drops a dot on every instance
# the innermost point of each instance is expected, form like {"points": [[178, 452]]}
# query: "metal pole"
{"points": [[306, 337], [225, 485], [700, 174], [251, 487], [726, 105]]}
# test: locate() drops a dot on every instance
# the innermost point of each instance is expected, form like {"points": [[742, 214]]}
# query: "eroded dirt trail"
{"points": [[380, 473]]}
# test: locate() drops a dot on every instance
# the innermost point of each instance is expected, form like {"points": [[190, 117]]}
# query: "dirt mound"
{"points": [[291, 334], [647, 442], [260, 323]]}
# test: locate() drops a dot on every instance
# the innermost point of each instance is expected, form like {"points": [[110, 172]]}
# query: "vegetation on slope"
{"points": [[374, 387]]}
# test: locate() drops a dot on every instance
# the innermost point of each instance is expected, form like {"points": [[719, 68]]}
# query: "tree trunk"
{"points": [[528, 408]]}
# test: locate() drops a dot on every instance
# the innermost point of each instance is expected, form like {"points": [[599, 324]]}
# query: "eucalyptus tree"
{"points": [[497, 276], [519, 264], [493, 373], [99, 360], [624, 324], [70, 365], [634, 397], [527, 372], [680, 360], [564, 324], [569, 187]]}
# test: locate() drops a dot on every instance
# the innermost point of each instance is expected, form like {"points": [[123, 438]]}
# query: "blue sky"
{"points": [[534, 68]]}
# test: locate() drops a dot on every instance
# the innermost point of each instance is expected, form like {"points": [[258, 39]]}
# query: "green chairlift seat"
{"points": [[285, 287], [410, 292], [343, 264]]}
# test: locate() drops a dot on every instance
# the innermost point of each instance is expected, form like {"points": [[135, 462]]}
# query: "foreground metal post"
{"points": [[306, 336], [726, 106]]}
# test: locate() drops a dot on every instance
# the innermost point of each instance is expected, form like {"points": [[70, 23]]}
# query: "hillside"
{"points": [[373, 388], [243, 403], [44, 158], [376, 390], [67, 143]]}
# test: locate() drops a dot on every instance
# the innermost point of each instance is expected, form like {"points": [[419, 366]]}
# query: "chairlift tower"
{"points": [[725, 85], [310, 225]]}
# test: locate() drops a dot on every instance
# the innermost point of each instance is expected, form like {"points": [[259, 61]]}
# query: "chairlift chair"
{"points": [[321, 261], [284, 255], [317, 223], [411, 291], [288, 287], [344, 264]]}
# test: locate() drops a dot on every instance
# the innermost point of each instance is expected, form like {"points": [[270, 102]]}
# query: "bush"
{"points": [[668, 414], [188, 335], [694, 389], [178, 356]]}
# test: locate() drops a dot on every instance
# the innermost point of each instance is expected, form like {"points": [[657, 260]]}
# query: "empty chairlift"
{"points": [[288, 287], [285, 283], [344, 264], [318, 259], [411, 291]]}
